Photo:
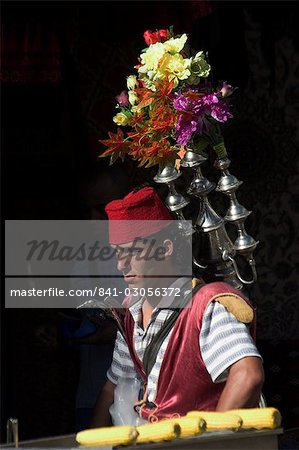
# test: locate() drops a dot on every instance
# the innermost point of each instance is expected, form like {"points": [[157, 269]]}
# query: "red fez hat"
{"points": [[145, 208]]}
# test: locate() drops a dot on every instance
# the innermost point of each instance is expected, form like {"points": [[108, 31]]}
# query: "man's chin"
{"points": [[134, 283]]}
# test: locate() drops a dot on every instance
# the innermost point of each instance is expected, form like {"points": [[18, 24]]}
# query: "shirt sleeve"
{"points": [[122, 366], [223, 341]]}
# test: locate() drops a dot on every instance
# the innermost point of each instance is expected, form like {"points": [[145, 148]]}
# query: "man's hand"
{"points": [[243, 386]]}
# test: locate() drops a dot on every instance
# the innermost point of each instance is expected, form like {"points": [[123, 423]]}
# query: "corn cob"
{"points": [[155, 432], [259, 417], [190, 426], [120, 435], [218, 420]]}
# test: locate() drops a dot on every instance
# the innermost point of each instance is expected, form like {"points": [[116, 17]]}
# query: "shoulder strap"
{"points": [[153, 348]]}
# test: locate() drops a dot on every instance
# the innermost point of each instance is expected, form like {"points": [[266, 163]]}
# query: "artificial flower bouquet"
{"points": [[170, 105]]}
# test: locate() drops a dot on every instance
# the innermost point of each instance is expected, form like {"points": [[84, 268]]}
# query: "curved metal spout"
{"points": [[226, 256], [199, 266]]}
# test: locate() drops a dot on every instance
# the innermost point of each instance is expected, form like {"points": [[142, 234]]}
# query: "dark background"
{"points": [[62, 63]]}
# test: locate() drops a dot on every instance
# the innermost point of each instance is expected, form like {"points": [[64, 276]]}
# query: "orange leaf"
{"points": [[146, 95], [164, 88], [116, 143]]}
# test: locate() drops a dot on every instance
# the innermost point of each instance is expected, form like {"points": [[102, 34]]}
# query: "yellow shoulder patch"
{"points": [[196, 281], [236, 305]]}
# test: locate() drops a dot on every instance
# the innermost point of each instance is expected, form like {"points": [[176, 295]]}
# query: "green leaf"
{"points": [[200, 146]]}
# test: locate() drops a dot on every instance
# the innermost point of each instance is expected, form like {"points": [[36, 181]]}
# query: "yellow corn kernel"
{"points": [[258, 417], [218, 420], [155, 432], [190, 426], [120, 435]]}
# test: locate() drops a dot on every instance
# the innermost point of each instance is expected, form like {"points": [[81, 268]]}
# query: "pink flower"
{"points": [[225, 89], [122, 99]]}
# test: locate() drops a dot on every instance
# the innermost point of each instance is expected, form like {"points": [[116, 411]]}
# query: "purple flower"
{"points": [[221, 112], [185, 128], [194, 108], [202, 106], [209, 99], [181, 103]]}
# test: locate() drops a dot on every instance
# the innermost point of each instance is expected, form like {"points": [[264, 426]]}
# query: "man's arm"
{"points": [[101, 416], [243, 385]]}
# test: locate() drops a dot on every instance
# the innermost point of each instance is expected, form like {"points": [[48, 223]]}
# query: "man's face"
{"points": [[143, 261]]}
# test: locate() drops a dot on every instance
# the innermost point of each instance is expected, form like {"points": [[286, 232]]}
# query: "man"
{"points": [[206, 358]]}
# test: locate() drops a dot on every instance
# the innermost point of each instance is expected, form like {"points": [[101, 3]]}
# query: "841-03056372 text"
{"points": [[97, 291], [136, 292]]}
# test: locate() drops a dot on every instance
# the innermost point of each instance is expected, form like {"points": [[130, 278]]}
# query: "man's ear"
{"points": [[168, 245]]}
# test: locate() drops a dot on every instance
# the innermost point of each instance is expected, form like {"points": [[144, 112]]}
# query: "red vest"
{"points": [[184, 383]]}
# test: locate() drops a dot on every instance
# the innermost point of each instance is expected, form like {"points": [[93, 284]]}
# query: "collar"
{"points": [[165, 302]]}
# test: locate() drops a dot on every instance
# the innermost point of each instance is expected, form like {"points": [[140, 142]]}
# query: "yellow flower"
{"points": [[175, 66], [132, 82], [121, 119], [175, 45], [150, 59]]}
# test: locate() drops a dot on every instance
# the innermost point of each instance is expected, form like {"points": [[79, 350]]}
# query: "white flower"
{"points": [[132, 82], [133, 99], [150, 59], [199, 65], [175, 45]]}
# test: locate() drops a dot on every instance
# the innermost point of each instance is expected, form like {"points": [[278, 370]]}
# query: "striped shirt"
{"points": [[223, 341]]}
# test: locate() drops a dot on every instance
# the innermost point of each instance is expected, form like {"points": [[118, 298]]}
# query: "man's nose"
{"points": [[123, 261]]}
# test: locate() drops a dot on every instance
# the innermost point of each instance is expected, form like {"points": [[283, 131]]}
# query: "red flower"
{"points": [[151, 37]]}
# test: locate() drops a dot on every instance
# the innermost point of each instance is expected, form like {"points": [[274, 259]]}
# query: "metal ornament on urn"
{"points": [[213, 249], [175, 201], [236, 214]]}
